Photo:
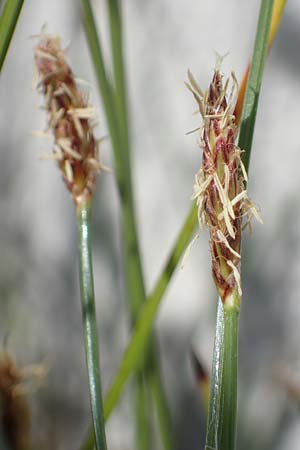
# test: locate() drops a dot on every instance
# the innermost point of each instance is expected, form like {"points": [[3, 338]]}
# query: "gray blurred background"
{"points": [[39, 292]]}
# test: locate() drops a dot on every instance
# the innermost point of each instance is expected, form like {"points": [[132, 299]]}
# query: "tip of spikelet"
{"points": [[69, 118]]}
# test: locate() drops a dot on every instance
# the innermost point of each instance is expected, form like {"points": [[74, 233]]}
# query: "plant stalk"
{"points": [[214, 407], [254, 81], [90, 325], [229, 379], [118, 125], [8, 21]]}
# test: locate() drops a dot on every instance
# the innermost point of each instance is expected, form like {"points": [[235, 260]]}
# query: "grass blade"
{"points": [[90, 326], [8, 21], [277, 13], [255, 78], [143, 327], [116, 35]]}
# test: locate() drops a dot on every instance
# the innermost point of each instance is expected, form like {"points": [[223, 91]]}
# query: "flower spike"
{"points": [[69, 117], [220, 184]]}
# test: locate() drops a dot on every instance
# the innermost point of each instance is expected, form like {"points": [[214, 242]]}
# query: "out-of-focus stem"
{"points": [[277, 13], [8, 21], [116, 33], [118, 125], [255, 79]]}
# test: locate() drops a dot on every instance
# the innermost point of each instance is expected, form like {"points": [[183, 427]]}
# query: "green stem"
{"points": [[214, 409], [229, 379], [142, 330], [163, 417], [90, 326], [255, 79], [144, 324], [117, 117], [116, 33], [142, 410], [8, 21], [221, 421]]}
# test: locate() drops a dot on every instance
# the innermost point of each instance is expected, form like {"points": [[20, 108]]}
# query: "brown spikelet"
{"points": [[220, 184], [15, 415], [75, 147]]}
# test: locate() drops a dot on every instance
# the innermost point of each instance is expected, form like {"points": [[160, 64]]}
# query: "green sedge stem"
{"points": [[8, 21], [116, 35], [90, 326], [221, 421], [142, 411], [144, 324], [254, 81], [229, 379], [163, 417], [214, 407], [120, 140]]}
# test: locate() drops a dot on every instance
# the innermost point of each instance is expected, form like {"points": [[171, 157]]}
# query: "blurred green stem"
{"points": [[90, 325], [254, 81], [114, 100], [8, 21], [143, 326], [116, 35]]}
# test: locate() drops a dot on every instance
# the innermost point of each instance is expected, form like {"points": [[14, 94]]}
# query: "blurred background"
{"points": [[39, 289]]}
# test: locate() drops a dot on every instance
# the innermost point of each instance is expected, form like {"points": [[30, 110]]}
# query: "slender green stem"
{"points": [[142, 330], [116, 33], [8, 21], [221, 421], [214, 409], [229, 379], [144, 324], [163, 417], [142, 410], [90, 325], [255, 79], [118, 124]]}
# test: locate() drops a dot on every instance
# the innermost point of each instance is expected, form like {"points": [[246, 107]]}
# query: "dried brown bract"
{"points": [[69, 117], [15, 415], [220, 184]]}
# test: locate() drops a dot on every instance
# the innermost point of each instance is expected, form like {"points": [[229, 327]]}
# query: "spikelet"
{"points": [[220, 184], [15, 415], [69, 118]]}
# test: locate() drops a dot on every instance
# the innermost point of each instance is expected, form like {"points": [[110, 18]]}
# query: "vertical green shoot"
{"points": [[8, 21], [90, 325], [255, 78]]}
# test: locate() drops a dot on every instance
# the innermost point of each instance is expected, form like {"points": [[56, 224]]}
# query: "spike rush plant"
{"points": [[222, 203], [220, 185], [77, 154]]}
